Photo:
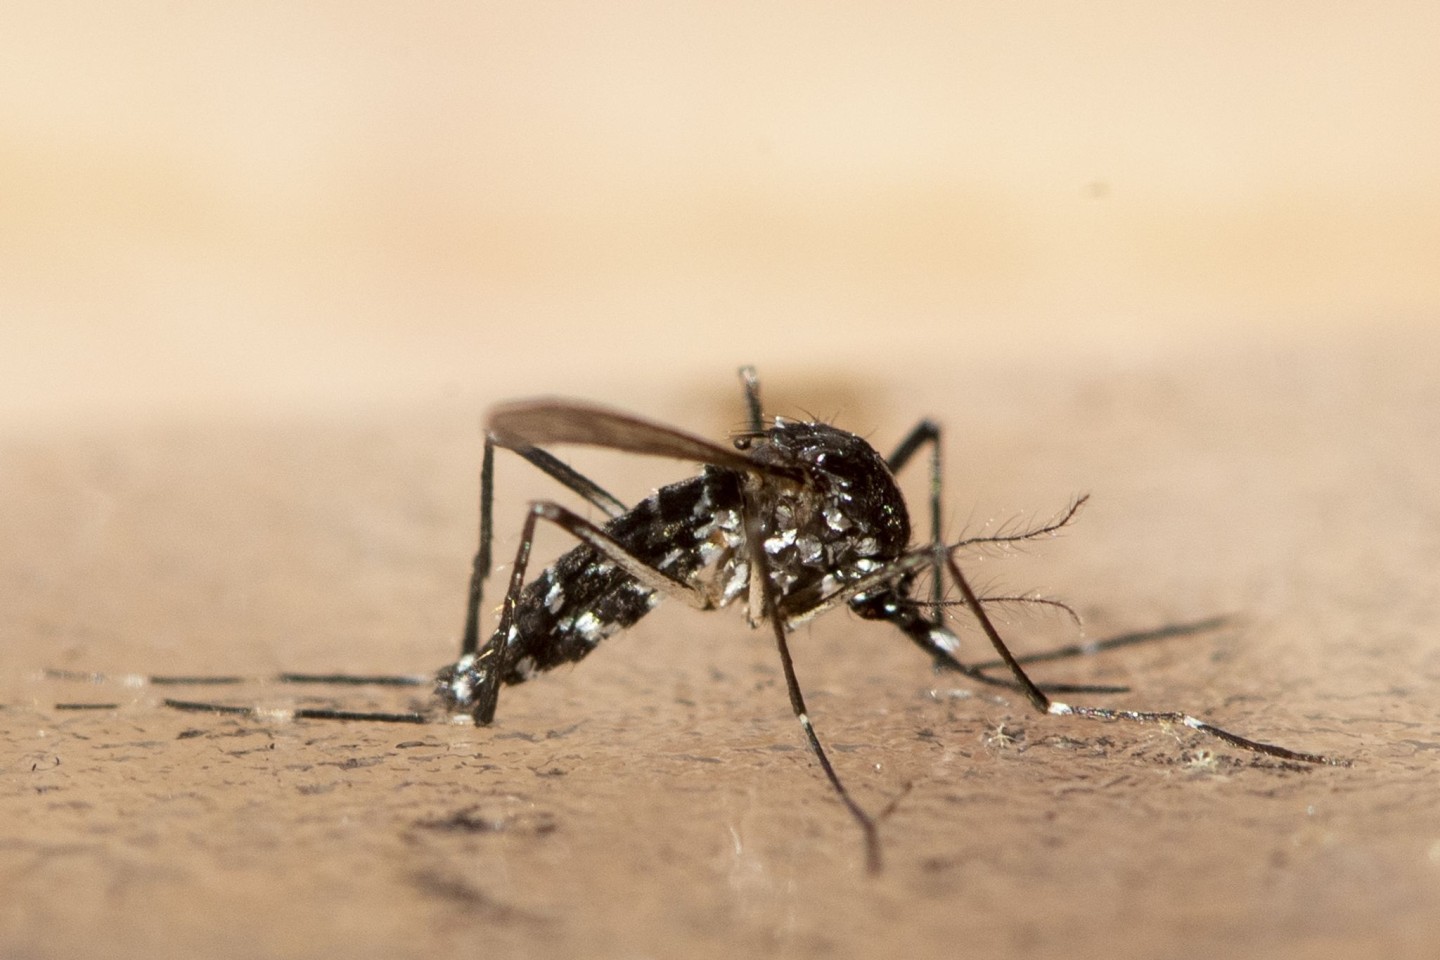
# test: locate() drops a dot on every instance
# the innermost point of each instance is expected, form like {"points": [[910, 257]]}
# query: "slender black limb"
{"points": [[356, 680], [593, 536], [304, 713], [488, 696], [185, 680], [552, 467], [754, 531], [480, 569], [1044, 704], [928, 431], [372, 716], [195, 706], [573, 479], [140, 680], [753, 410]]}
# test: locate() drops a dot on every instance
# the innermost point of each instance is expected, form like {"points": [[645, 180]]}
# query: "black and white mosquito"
{"points": [[794, 518]]}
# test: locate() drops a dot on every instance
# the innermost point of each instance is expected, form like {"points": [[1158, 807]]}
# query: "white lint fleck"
{"points": [[554, 598], [589, 627]]}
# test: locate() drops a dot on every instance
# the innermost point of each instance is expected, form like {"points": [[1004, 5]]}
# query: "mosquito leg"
{"points": [[566, 475], [230, 680], [928, 432], [761, 571], [1046, 705], [480, 569], [754, 412], [302, 713], [551, 467]]}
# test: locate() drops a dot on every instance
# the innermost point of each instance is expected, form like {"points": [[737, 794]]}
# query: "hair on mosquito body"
{"points": [[791, 519]]}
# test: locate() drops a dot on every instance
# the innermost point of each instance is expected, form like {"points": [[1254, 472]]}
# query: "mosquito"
{"points": [[792, 519]]}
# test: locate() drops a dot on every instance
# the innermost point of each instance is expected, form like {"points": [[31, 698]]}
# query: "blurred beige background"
{"points": [[263, 266], [268, 205]]}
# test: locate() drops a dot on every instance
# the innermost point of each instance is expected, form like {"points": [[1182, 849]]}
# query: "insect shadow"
{"points": [[792, 519]]}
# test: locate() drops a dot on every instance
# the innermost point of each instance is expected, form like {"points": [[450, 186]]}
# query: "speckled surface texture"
{"points": [[658, 796]]}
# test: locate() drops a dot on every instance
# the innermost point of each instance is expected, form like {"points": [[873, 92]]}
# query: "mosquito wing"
{"points": [[531, 423]]}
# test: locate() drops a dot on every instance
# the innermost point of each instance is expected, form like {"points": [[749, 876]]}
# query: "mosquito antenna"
{"points": [[1034, 533]]}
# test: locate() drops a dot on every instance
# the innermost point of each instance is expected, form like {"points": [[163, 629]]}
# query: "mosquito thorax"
{"points": [[847, 520]]}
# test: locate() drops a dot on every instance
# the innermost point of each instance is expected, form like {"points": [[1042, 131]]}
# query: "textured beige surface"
{"points": [[657, 796], [262, 270]]}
